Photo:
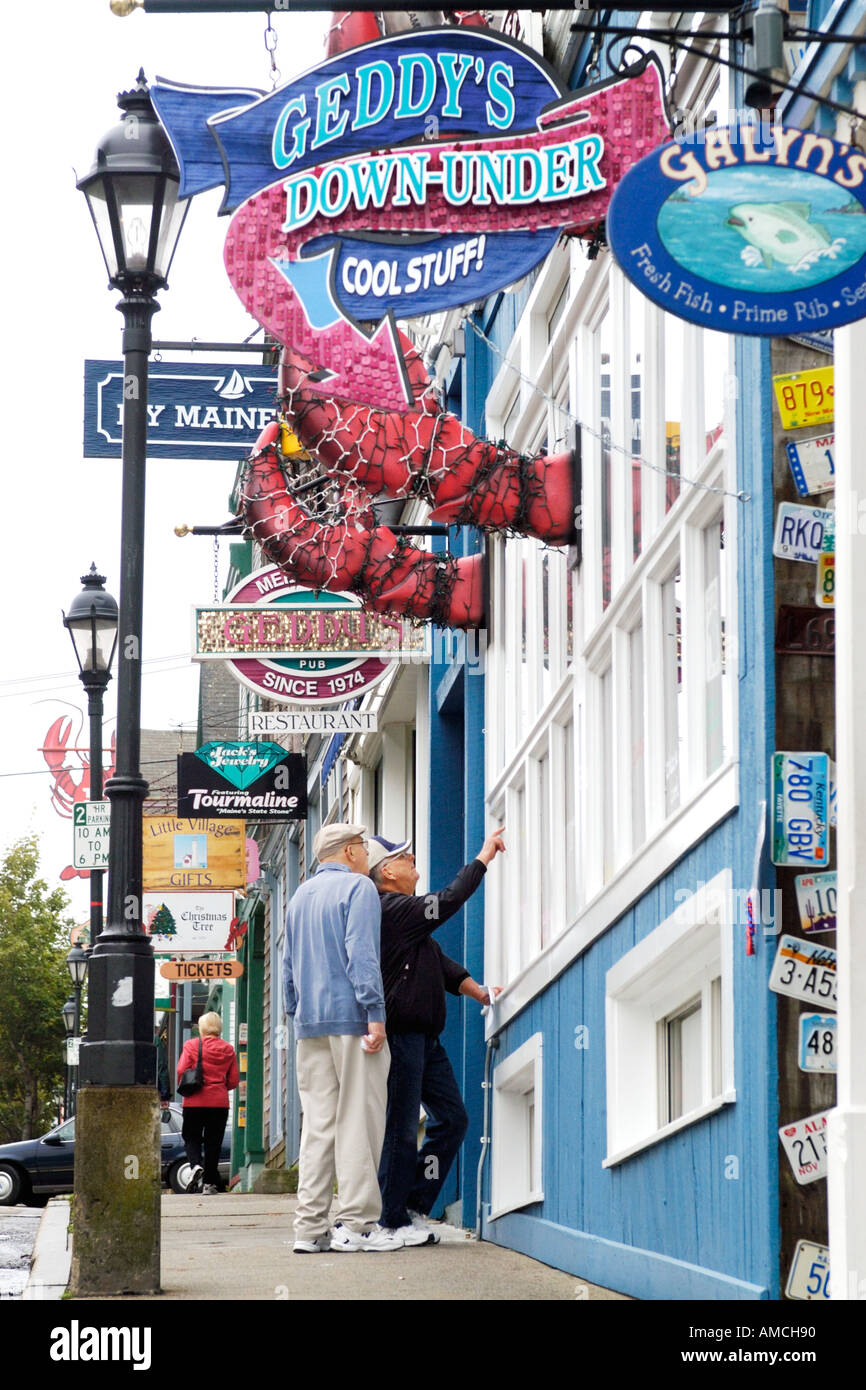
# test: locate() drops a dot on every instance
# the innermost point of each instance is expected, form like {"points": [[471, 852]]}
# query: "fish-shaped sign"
{"points": [[423, 174]]}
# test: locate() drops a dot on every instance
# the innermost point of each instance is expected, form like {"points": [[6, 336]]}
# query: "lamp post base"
{"points": [[116, 1213]]}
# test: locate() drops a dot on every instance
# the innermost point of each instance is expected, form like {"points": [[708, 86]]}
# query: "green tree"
{"points": [[34, 985]]}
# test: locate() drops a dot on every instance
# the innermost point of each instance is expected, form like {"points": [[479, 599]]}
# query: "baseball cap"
{"points": [[331, 838], [382, 849]]}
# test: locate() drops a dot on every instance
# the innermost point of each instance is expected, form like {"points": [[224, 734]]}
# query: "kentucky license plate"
{"points": [[805, 970], [800, 787]]}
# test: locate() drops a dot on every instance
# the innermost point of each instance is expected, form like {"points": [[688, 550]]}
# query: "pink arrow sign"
{"points": [[560, 176]]}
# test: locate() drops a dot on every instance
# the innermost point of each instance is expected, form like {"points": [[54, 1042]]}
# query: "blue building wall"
{"points": [[668, 1222]]}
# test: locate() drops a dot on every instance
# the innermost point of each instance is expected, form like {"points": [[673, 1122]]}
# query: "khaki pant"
{"points": [[343, 1092]]}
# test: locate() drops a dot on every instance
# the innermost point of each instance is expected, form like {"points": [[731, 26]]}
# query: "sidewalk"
{"points": [[239, 1246]]}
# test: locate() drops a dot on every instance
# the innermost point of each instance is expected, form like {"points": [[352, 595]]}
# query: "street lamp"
{"points": [[76, 963], [68, 1015], [92, 625], [132, 193]]}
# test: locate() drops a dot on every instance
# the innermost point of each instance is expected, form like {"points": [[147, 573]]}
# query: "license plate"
{"points": [[800, 785], [805, 1143], [805, 398], [812, 464], [805, 970], [816, 901], [817, 1043], [801, 532], [825, 580], [809, 1277]]}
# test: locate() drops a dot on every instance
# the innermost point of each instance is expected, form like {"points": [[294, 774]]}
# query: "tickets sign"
{"points": [[750, 229], [349, 181]]}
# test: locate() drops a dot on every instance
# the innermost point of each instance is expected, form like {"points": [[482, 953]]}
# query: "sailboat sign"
{"points": [[199, 410]]}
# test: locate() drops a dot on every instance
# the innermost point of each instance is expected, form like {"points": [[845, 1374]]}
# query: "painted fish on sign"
{"points": [[747, 230]]}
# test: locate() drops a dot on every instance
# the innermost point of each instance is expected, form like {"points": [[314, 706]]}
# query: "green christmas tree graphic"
{"points": [[162, 923]]}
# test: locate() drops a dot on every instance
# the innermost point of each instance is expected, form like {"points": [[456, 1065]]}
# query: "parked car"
{"points": [[37, 1168]]}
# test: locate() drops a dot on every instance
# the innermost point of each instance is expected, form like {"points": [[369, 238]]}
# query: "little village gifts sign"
{"points": [[299, 647], [349, 183], [753, 229]]}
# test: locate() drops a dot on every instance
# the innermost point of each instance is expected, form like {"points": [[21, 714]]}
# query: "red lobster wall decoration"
{"points": [[69, 766], [330, 538]]}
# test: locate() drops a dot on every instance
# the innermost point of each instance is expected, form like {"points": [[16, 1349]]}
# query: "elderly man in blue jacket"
{"points": [[333, 993]]}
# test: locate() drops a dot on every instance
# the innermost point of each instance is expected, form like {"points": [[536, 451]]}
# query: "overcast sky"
{"points": [[64, 63]]}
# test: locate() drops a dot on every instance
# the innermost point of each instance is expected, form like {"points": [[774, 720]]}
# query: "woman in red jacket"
{"points": [[205, 1113]]}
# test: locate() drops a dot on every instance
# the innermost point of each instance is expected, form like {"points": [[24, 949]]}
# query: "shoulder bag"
{"points": [[192, 1079]]}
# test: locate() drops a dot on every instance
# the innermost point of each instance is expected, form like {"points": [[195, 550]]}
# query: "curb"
{"points": [[52, 1254]]}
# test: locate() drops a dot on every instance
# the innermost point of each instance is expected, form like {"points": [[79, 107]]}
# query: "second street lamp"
{"points": [[76, 963], [92, 625], [132, 192]]}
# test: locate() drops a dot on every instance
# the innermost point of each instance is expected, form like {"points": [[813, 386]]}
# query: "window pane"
{"points": [[673, 684], [715, 347], [606, 789], [683, 1049], [570, 826], [637, 351], [713, 550], [637, 737], [674, 363], [604, 408], [546, 866]]}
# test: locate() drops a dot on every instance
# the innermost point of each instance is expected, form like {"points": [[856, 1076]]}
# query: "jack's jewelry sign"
{"points": [[404, 177], [753, 229], [258, 781]]}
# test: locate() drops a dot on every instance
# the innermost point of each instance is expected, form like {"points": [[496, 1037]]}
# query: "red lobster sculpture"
{"points": [[372, 454]]}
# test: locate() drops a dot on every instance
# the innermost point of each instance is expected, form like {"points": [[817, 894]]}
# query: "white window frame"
{"points": [[517, 1130], [672, 965]]}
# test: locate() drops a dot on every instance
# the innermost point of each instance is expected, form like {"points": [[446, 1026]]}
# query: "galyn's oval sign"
{"points": [[747, 229]]}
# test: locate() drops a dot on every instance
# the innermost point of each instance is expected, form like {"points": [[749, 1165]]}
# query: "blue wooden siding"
{"points": [[666, 1223]]}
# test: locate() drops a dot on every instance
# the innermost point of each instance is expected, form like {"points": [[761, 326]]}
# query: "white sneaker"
{"points": [[420, 1223], [381, 1239], [377, 1238], [344, 1239], [415, 1235], [320, 1245]]}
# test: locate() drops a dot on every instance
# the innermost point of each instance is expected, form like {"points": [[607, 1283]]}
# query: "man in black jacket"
{"points": [[415, 975]]}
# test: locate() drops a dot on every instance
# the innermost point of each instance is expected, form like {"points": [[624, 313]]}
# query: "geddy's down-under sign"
{"points": [[258, 781], [748, 229]]}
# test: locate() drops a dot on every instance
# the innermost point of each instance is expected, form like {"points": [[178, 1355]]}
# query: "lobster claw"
{"points": [[54, 747]]}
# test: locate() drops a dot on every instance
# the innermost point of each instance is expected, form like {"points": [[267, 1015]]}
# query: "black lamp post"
{"points": [[92, 624], [68, 1015], [76, 963], [132, 193]]}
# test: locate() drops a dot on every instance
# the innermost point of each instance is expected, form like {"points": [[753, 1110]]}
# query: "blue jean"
{"points": [[420, 1075]]}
